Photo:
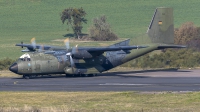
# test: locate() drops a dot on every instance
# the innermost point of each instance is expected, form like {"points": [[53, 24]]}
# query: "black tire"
{"points": [[26, 76], [92, 75], [86, 75]]}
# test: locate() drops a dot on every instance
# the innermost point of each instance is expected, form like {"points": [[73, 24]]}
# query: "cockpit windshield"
{"points": [[25, 57]]}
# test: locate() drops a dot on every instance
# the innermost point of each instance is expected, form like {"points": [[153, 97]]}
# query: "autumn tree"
{"points": [[185, 33], [74, 18], [188, 34]]}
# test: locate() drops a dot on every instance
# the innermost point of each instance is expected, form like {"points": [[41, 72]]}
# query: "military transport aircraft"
{"points": [[87, 61]]}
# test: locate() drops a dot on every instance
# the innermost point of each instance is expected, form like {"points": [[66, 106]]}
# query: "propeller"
{"points": [[33, 43], [71, 59], [69, 53], [41, 48], [66, 42], [75, 49]]}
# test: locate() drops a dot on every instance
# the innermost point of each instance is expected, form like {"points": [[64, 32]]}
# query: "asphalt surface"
{"points": [[170, 80]]}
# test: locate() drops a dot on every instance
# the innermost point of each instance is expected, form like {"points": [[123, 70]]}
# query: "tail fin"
{"points": [[161, 28]]}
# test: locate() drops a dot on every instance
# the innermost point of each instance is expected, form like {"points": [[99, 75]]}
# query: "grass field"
{"points": [[100, 101], [23, 19]]}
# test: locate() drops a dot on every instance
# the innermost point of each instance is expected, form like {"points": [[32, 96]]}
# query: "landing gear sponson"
{"points": [[67, 75], [80, 75]]}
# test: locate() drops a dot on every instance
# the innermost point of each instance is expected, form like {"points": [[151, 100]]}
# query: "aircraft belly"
{"points": [[114, 58]]}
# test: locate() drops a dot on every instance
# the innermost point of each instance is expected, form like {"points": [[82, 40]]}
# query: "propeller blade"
{"points": [[33, 43], [71, 61], [41, 48], [75, 49], [22, 44], [66, 42]]}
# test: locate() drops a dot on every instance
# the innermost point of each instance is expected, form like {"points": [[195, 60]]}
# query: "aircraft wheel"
{"points": [[71, 75], [92, 75], [33, 76], [86, 75], [26, 76]]}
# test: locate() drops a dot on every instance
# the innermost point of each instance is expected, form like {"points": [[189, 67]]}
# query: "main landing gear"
{"points": [[26, 76], [30, 76]]}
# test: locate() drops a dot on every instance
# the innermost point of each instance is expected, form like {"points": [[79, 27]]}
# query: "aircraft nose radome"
{"points": [[14, 68]]}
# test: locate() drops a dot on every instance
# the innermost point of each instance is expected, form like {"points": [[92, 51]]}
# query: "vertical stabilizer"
{"points": [[161, 28]]}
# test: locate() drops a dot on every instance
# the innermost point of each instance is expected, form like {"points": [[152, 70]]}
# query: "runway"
{"points": [[170, 80]]}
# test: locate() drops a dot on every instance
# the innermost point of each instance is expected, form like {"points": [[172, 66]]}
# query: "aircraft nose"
{"points": [[14, 68]]}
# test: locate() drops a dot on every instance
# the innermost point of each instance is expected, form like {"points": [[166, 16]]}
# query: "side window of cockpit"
{"points": [[26, 59]]}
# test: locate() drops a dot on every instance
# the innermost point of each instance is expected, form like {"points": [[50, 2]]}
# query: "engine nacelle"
{"points": [[68, 70], [82, 54]]}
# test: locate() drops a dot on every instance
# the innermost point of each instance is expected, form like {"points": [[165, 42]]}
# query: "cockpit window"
{"points": [[25, 57]]}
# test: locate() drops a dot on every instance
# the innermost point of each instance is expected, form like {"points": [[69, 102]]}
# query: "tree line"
{"points": [[5, 63], [99, 31]]}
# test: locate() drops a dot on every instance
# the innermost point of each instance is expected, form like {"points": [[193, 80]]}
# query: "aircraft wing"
{"points": [[89, 52], [103, 49], [43, 47], [171, 46]]}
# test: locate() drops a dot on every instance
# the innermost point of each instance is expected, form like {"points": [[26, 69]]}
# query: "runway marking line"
{"points": [[125, 84]]}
